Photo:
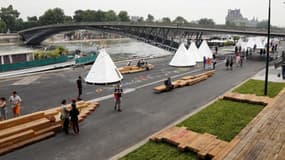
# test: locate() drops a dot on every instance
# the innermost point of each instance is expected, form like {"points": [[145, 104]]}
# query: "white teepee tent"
{"points": [[204, 50], [258, 42], [103, 71], [182, 58], [193, 50]]}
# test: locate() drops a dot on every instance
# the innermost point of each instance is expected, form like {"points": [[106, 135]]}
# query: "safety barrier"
{"points": [[86, 59], [30, 64]]}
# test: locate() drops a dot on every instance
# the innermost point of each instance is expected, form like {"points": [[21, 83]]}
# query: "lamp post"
{"points": [[267, 55]]}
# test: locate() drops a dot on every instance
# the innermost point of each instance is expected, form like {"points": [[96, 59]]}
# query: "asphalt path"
{"points": [[106, 133]]}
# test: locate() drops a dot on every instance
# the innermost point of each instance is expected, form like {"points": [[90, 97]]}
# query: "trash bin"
{"points": [[283, 71]]}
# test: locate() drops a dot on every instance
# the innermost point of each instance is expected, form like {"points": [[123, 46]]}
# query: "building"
{"points": [[235, 17], [135, 18]]}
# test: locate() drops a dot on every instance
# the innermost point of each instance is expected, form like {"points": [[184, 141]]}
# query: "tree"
{"points": [[111, 16], [150, 18], [231, 24], [141, 19], [206, 21], [180, 20], [9, 16], [52, 16], [2, 26], [123, 16], [166, 20]]}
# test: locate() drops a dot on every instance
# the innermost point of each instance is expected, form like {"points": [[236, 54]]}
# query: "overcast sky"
{"points": [[190, 9]]}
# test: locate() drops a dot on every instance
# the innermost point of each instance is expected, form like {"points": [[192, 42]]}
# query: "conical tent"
{"points": [[258, 42], [204, 50], [103, 71], [193, 50], [250, 43], [182, 58]]}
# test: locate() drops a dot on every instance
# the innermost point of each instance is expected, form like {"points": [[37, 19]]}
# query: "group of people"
{"points": [[208, 63], [142, 63], [15, 101], [230, 60], [69, 115]]}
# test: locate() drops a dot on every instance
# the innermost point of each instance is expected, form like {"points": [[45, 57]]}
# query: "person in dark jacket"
{"points": [[74, 112], [79, 86]]}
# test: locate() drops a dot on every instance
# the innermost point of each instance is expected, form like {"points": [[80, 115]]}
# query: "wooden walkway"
{"points": [[205, 145], [248, 98], [27, 129], [264, 137]]}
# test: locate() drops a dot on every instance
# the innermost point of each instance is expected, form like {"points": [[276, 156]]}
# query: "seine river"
{"points": [[119, 49]]}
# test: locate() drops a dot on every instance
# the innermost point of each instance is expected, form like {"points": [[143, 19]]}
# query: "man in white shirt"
{"points": [[15, 101]]}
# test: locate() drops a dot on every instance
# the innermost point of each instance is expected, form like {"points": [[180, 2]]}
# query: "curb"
{"points": [[141, 143]]}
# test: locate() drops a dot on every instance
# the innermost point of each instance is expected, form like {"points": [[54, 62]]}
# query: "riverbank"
{"points": [[89, 40]]}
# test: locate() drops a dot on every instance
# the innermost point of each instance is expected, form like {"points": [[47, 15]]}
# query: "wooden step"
{"points": [[20, 120], [54, 128], [26, 142], [4, 142], [201, 142], [23, 127], [220, 147]]}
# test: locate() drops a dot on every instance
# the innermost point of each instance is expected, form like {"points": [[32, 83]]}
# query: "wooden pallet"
{"points": [[134, 69], [248, 98], [205, 145]]}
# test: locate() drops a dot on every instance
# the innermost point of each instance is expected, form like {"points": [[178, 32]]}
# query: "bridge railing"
{"points": [[30, 64], [85, 59]]}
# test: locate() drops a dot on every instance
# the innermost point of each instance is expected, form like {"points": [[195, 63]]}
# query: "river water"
{"points": [[118, 49]]}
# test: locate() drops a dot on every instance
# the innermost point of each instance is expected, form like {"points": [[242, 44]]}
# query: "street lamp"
{"points": [[267, 55]]}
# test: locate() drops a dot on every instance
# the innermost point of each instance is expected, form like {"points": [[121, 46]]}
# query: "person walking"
{"points": [[214, 62], [204, 62], [15, 101], [3, 110], [208, 62], [227, 62], [231, 62], [65, 116], [73, 113], [79, 87], [117, 97]]}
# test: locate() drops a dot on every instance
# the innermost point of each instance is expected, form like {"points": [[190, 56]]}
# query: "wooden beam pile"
{"points": [[30, 128], [205, 145], [134, 69], [186, 81], [247, 98]]}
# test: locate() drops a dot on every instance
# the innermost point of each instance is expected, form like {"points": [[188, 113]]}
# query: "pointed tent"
{"points": [[204, 50], [258, 42], [103, 71], [182, 58], [193, 50], [250, 43]]}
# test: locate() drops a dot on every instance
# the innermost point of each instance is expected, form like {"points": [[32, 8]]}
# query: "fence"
{"points": [[30, 64], [86, 59]]}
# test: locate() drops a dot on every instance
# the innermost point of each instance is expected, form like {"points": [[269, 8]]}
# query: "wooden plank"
{"points": [[201, 142], [4, 142], [184, 141], [23, 127], [53, 128], [20, 120], [26, 142], [220, 147]]}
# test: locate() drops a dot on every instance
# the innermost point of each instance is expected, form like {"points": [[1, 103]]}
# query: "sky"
{"points": [[189, 9]]}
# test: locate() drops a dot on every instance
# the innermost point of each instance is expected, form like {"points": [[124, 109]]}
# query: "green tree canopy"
{"points": [[150, 18], [180, 20], [206, 21], [9, 16], [111, 16], [2, 26], [166, 20], [52, 16], [123, 16]]}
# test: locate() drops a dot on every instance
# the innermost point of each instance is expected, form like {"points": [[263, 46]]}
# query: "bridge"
{"points": [[165, 36]]}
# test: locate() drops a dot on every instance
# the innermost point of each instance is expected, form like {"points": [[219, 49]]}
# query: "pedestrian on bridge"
{"points": [[79, 87]]}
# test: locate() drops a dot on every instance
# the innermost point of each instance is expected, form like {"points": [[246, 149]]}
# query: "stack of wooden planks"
{"points": [[134, 69], [248, 98], [186, 81], [205, 145], [27, 129]]}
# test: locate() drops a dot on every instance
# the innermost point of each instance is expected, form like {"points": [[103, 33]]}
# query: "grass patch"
{"points": [[257, 87], [159, 151], [223, 118]]}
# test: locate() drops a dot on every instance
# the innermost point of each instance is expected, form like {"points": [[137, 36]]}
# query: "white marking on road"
{"points": [[27, 80]]}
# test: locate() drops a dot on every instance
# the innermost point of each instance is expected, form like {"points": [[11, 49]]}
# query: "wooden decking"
{"points": [[248, 98], [264, 137], [205, 145], [134, 69], [186, 81], [27, 129]]}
